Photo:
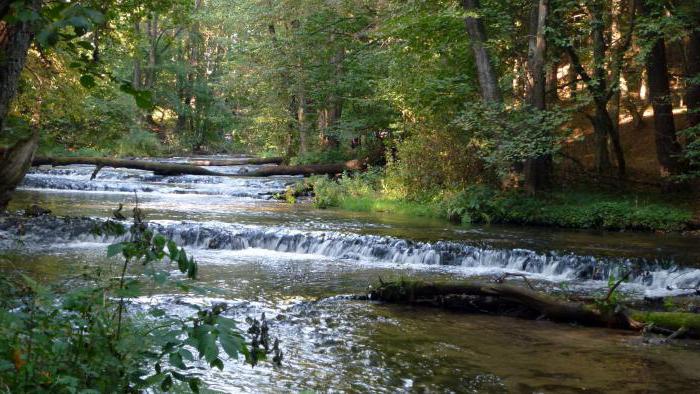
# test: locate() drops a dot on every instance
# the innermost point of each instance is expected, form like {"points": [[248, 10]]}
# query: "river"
{"points": [[296, 264]]}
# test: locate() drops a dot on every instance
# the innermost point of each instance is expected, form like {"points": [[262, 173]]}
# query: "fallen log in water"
{"points": [[99, 162], [510, 300], [189, 169], [308, 169], [236, 162]]}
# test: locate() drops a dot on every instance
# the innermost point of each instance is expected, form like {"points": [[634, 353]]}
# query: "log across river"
{"points": [[304, 268], [194, 167]]}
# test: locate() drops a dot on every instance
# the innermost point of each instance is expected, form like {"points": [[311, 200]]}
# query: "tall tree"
{"points": [[692, 63], [668, 149], [604, 56], [537, 169], [488, 82], [15, 39]]}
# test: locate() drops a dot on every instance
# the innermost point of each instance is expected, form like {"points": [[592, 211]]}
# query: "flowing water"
{"points": [[296, 264]]}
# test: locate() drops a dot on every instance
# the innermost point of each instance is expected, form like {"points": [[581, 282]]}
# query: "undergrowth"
{"points": [[371, 192]]}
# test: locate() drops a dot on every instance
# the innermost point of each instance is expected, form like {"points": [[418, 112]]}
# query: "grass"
{"points": [[384, 204], [480, 204]]}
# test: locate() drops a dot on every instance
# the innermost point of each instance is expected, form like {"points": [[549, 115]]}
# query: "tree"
{"points": [[668, 149], [604, 56], [488, 82], [537, 170]]}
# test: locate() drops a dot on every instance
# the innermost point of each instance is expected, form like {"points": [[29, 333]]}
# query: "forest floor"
{"points": [[637, 143], [639, 148]]}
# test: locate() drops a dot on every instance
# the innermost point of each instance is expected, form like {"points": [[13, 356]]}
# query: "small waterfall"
{"points": [[77, 178], [659, 277], [553, 266]]}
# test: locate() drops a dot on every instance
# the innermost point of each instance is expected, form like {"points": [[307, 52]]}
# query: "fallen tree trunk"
{"points": [[189, 169], [510, 300], [99, 162], [307, 169], [236, 162]]}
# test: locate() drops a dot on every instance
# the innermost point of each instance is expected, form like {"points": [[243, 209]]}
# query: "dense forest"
{"points": [[580, 114], [500, 93]]}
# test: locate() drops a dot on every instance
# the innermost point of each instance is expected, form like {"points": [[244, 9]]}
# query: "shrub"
{"points": [[139, 143], [80, 338]]}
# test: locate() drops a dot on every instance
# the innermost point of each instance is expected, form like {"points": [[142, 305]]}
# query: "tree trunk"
{"points": [[136, 77], [14, 164], [157, 168], [236, 162], [668, 150], [667, 147], [602, 126], [334, 103], [537, 170], [692, 93], [517, 301], [308, 169], [484, 67], [172, 169], [302, 123], [14, 44], [597, 85]]}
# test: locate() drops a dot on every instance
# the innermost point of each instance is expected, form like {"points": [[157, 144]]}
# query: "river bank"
{"points": [[481, 204]]}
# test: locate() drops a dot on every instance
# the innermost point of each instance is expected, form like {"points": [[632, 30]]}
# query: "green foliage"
{"points": [[139, 143], [80, 338], [484, 204], [503, 136], [691, 152], [320, 156], [329, 192]]}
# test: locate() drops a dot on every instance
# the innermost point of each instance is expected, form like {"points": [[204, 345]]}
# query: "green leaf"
{"points": [[176, 360], [152, 380], [85, 45], [79, 22], [206, 343], [159, 242], [172, 250], [182, 261], [130, 290], [192, 269], [167, 383], [47, 37], [217, 363], [232, 344], [157, 312], [115, 249], [88, 81], [194, 385], [186, 354]]}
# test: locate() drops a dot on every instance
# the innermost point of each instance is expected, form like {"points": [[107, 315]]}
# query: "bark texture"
{"points": [[692, 94], [484, 67], [668, 149], [237, 162], [14, 163], [14, 43], [309, 169], [537, 170]]}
